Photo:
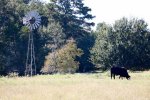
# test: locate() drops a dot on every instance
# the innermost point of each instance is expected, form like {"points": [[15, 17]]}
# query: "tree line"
{"points": [[126, 43], [65, 43]]}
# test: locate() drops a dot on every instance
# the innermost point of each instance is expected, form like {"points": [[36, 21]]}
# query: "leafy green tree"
{"points": [[86, 43], [100, 53], [9, 28], [131, 43]]}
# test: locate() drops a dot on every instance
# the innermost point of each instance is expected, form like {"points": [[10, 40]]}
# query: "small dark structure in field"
{"points": [[119, 71]]}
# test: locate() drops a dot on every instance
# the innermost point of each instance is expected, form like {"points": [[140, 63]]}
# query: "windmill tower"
{"points": [[32, 20]]}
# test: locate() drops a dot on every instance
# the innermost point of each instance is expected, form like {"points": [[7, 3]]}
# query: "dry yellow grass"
{"points": [[76, 87]]}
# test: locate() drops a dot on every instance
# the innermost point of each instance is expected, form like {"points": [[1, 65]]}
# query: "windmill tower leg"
{"points": [[30, 61]]}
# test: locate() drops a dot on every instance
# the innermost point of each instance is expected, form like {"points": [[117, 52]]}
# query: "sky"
{"points": [[110, 10]]}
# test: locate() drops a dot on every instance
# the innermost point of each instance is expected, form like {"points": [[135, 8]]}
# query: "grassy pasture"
{"points": [[96, 86]]}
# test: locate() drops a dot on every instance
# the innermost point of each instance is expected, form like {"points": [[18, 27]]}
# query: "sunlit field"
{"points": [[97, 86]]}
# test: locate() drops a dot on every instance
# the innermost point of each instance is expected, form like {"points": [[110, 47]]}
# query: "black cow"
{"points": [[119, 71]]}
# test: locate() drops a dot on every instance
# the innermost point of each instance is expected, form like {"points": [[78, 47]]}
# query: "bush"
{"points": [[13, 74], [63, 60]]}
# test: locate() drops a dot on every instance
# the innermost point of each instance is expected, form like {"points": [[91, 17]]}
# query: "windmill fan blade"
{"points": [[32, 20]]}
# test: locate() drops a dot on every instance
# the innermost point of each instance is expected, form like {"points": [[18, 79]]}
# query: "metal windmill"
{"points": [[32, 20]]}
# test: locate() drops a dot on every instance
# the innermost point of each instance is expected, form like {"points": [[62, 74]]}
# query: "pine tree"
{"points": [[72, 16]]}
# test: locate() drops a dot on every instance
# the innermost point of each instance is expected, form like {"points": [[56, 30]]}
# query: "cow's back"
{"points": [[116, 70]]}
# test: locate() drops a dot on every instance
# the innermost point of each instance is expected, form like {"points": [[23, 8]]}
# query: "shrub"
{"points": [[63, 60], [13, 74]]}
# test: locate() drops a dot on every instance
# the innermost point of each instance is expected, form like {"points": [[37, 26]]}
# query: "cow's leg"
{"points": [[111, 75], [114, 76]]}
